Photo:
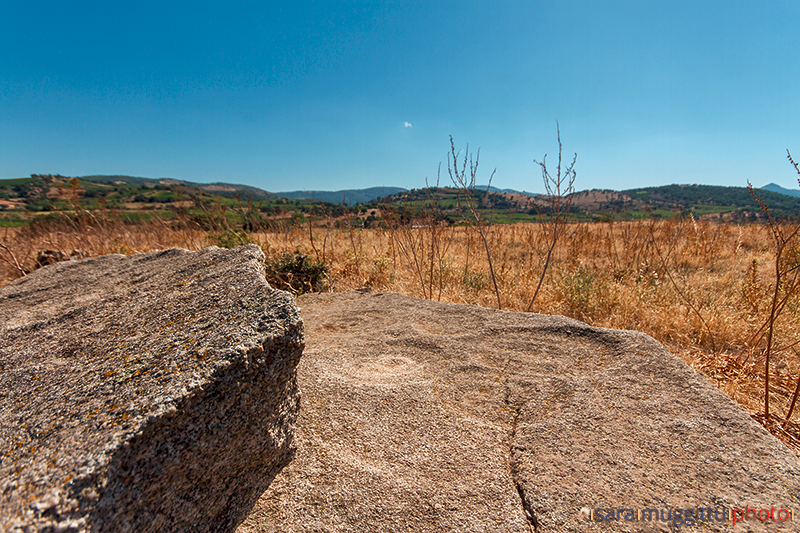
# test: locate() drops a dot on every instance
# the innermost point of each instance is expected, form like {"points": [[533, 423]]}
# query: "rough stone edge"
{"points": [[69, 511]]}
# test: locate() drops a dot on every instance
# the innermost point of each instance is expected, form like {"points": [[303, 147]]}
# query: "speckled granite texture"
{"points": [[154, 392], [431, 417]]}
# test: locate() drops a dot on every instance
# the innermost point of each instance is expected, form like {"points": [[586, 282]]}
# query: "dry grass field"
{"points": [[704, 289]]}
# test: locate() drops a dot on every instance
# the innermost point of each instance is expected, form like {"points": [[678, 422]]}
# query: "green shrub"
{"points": [[228, 238], [297, 273]]}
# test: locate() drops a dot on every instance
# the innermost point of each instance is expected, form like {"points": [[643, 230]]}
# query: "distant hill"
{"points": [[129, 180], [349, 196], [774, 187], [711, 195], [725, 203], [245, 192], [733, 202], [54, 192], [509, 191]]}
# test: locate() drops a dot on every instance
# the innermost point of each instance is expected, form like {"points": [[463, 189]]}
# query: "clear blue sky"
{"points": [[337, 94]]}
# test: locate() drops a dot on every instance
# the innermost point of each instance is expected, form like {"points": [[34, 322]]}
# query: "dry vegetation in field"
{"points": [[703, 289]]}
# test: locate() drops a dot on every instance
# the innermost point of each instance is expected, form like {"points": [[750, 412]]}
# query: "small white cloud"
{"points": [[407, 124]]}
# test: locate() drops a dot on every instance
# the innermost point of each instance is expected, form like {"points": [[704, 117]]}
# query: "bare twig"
{"points": [[782, 243], [464, 180], [16, 264], [559, 190], [794, 401]]}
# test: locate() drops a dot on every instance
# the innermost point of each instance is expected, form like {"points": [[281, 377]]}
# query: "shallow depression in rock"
{"points": [[384, 370]]}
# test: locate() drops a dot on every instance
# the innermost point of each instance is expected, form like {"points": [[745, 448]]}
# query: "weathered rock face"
{"points": [[421, 416], [154, 392]]}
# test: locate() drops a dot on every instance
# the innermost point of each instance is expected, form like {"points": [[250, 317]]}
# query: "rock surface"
{"points": [[423, 416], [154, 392]]}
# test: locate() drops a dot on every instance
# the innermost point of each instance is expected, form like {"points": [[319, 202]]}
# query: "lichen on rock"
{"points": [[154, 392]]}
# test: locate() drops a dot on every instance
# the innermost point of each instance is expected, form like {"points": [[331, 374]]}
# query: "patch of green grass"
{"points": [[11, 222]]}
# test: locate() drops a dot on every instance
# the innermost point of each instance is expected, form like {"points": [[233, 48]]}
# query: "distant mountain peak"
{"points": [[774, 187]]}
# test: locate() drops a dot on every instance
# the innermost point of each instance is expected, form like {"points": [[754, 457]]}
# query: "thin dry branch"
{"points": [[560, 193], [782, 243], [13, 261], [467, 186]]}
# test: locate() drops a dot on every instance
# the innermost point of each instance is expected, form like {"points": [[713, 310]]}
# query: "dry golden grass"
{"points": [[701, 288], [87, 235]]}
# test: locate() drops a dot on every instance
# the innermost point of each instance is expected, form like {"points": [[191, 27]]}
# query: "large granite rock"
{"points": [[154, 392], [423, 416]]}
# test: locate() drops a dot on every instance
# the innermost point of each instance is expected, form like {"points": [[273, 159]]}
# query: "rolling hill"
{"points": [[348, 196], [245, 192]]}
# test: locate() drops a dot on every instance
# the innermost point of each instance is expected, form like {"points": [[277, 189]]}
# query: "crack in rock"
{"points": [[530, 515]]}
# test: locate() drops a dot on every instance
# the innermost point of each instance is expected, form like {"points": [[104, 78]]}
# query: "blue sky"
{"points": [[338, 94]]}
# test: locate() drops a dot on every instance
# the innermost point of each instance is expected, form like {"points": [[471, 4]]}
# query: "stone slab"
{"points": [[428, 417], [154, 392]]}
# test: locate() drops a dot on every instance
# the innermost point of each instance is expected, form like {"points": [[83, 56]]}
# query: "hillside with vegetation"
{"points": [[734, 204], [348, 196], [133, 199], [223, 189], [143, 197]]}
